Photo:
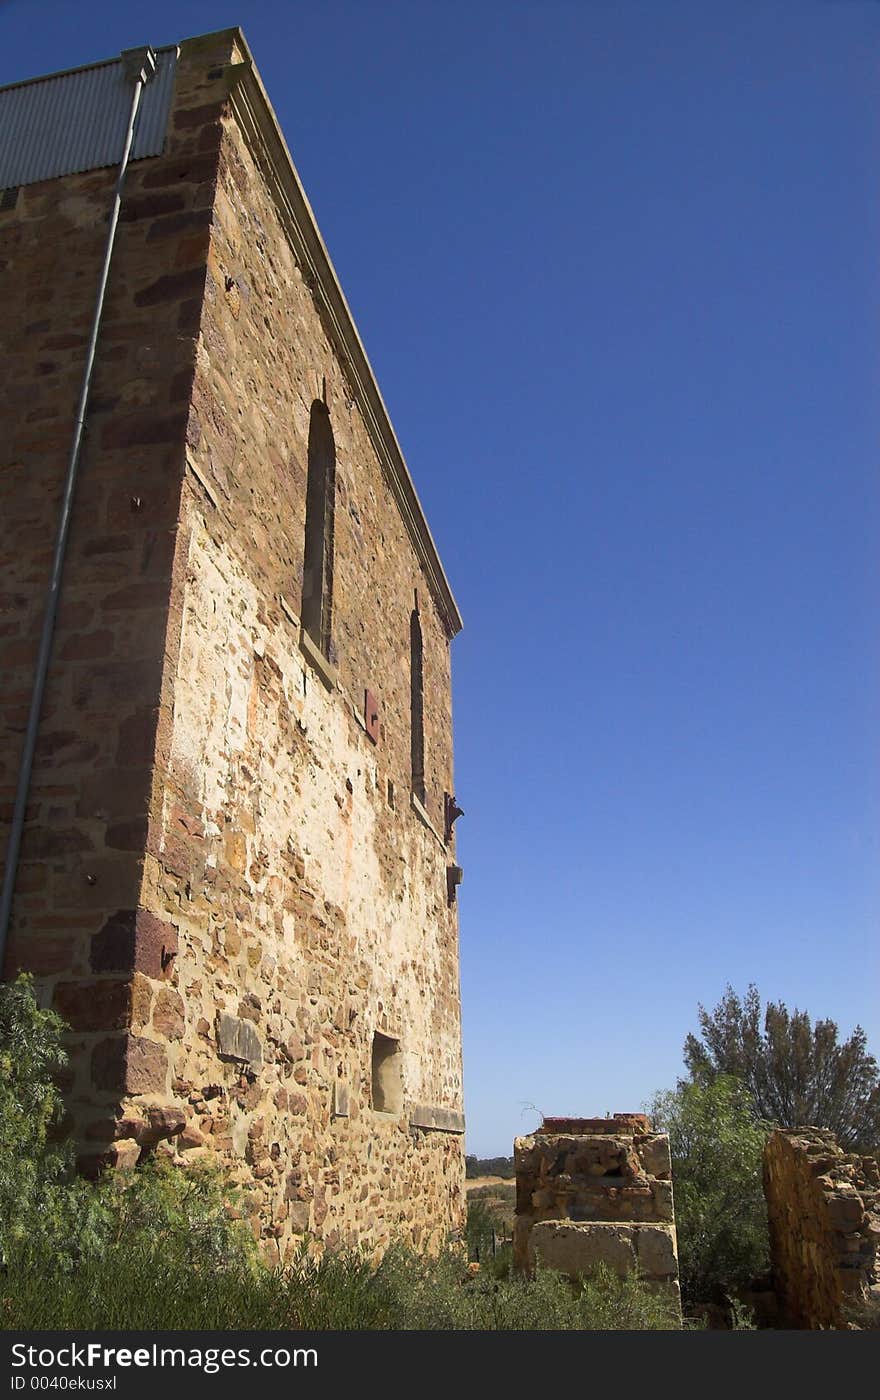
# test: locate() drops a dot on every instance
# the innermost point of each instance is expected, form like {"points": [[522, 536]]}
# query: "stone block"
{"points": [[168, 1014], [845, 1212], [133, 940], [576, 1247], [38, 953], [237, 1039], [129, 1064], [656, 1251], [663, 1207], [94, 1005], [654, 1155]]}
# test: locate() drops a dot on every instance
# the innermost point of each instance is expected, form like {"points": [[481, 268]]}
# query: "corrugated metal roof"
{"points": [[77, 121]]}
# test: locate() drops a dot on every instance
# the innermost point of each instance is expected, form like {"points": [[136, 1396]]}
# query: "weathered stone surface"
{"points": [[237, 1040], [227, 841], [129, 1064], [445, 1120], [576, 1247], [656, 1251], [133, 940], [823, 1213], [94, 1005], [163, 1122], [654, 1154], [124, 1154], [626, 1123], [168, 1015]]}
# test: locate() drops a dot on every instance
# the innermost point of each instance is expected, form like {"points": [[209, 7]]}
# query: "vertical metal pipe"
{"points": [[142, 72]]}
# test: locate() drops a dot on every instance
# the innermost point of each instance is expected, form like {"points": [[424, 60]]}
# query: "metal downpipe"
{"points": [[141, 65]]}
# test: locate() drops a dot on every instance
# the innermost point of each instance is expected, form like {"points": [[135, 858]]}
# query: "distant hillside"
{"points": [[489, 1166]]}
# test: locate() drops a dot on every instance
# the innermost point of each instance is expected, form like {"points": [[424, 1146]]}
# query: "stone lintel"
{"points": [[444, 1120]]}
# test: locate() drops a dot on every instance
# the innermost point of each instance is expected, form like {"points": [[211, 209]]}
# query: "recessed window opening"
{"points": [[417, 706], [387, 1074], [317, 594]]}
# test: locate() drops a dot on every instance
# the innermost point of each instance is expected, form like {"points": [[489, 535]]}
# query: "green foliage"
{"points": [[796, 1073], [721, 1218], [129, 1284], [742, 1317], [134, 1288], [32, 1164], [440, 1295], [489, 1166], [168, 1209]]}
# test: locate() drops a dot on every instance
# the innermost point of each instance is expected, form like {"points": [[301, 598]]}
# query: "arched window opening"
{"points": [[317, 594], [417, 707]]}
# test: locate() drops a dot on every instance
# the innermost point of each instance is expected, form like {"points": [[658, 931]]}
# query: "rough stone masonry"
{"points": [[597, 1190], [238, 877], [823, 1213]]}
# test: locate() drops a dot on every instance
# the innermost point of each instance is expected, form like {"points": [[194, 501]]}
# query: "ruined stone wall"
{"points": [[823, 1212], [274, 898], [596, 1190]]}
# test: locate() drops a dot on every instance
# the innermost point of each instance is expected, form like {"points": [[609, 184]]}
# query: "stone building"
{"points": [[237, 875]]}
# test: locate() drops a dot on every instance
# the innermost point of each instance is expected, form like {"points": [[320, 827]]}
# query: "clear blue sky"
{"points": [[617, 267]]}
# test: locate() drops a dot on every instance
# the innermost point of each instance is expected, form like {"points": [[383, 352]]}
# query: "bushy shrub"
{"points": [[131, 1287], [409, 1293], [720, 1214], [32, 1164]]}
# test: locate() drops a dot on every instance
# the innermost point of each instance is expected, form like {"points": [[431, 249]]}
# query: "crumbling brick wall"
{"points": [[823, 1212], [597, 1190]]}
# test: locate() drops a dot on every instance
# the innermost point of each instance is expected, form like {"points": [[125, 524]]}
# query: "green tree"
{"points": [[796, 1073], [717, 1147]]}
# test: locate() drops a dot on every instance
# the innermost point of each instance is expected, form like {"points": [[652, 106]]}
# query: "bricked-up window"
{"points": [[417, 706], [387, 1074], [317, 595]]}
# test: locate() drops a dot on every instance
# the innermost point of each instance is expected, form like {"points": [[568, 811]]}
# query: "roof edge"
{"points": [[261, 129], [82, 68]]}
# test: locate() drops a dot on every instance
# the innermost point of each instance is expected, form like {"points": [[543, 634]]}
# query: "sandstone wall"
{"points": [[269, 899], [82, 854], [596, 1190], [823, 1210]]}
